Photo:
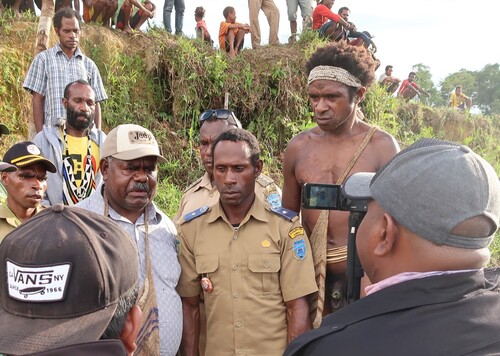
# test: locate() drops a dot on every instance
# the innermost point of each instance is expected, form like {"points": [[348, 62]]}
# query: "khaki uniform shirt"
{"points": [[8, 221], [201, 193], [254, 270]]}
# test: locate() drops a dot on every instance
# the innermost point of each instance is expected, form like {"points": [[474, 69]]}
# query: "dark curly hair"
{"points": [[355, 59], [199, 12], [239, 135], [67, 13]]}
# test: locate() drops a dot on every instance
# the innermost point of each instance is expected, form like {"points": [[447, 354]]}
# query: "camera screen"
{"points": [[321, 196]]}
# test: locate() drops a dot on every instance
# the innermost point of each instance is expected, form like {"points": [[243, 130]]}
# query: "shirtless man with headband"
{"points": [[340, 145]]}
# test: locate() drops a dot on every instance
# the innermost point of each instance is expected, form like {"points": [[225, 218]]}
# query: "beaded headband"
{"points": [[333, 73]]}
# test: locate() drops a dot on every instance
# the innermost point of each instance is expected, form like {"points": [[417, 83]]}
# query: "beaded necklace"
{"points": [[71, 193]]}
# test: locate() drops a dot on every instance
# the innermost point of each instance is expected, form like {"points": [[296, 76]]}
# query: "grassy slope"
{"points": [[162, 83]]}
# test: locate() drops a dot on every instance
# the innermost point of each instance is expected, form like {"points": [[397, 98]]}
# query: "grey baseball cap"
{"points": [[128, 142], [431, 187]]}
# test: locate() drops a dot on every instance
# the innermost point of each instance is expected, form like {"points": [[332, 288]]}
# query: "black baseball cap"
{"points": [[63, 273], [25, 153]]}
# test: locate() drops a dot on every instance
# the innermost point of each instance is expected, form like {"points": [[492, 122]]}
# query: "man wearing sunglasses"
{"points": [[203, 192]]}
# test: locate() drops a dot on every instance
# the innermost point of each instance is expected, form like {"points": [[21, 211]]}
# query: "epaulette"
{"points": [[194, 214], [264, 180], [193, 184], [285, 213]]}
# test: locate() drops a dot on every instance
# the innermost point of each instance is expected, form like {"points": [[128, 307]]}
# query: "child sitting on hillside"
{"points": [[132, 14], [232, 33], [201, 26]]}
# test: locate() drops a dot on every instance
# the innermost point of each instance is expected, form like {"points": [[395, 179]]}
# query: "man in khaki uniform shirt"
{"points": [[253, 263], [202, 191], [24, 175]]}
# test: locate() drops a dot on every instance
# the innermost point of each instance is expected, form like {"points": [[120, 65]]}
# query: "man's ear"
{"points": [[131, 329], [65, 102], [103, 167], [388, 235], [4, 177], [360, 94], [258, 168]]}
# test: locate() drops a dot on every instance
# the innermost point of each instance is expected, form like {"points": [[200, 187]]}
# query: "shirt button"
{"points": [[235, 237], [236, 295], [238, 324], [235, 267], [266, 265], [203, 267]]}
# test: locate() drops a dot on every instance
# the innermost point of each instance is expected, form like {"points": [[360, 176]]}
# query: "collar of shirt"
{"points": [[407, 276], [78, 53], [10, 218], [206, 183], [257, 211], [153, 216]]}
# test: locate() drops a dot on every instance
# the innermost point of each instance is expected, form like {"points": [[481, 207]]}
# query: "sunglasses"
{"points": [[220, 114]]}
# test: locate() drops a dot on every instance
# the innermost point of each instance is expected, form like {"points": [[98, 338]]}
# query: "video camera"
{"points": [[329, 197], [332, 197]]}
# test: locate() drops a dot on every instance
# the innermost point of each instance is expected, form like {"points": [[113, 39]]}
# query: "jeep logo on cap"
{"points": [[141, 137]]}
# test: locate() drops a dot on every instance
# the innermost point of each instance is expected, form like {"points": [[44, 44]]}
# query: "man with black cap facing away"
{"points": [[432, 213], [25, 183], [69, 279]]}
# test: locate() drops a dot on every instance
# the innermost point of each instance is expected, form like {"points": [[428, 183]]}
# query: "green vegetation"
{"points": [[163, 83]]}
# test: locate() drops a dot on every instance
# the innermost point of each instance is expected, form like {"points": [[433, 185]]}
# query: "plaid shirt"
{"points": [[52, 70]]}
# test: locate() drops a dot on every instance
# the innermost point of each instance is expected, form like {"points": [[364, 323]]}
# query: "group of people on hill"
{"points": [[89, 263], [410, 89], [333, 26]]}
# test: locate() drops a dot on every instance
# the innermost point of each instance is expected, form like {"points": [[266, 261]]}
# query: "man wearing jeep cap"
{"points": [[433, 211], [128, 165]]}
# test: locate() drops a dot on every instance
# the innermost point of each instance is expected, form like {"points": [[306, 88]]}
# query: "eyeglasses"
{"points": [[220, 114]]}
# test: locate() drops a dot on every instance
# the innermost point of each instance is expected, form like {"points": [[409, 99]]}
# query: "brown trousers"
{"points": [[273, 18]]}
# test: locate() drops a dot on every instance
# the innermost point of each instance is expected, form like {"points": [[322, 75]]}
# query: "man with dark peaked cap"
{"points": [[25, 185]]}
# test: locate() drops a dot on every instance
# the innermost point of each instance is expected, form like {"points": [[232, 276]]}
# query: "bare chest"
{"points": [[323, 164]]}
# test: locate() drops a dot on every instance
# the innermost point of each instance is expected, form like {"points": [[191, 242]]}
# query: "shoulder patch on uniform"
{"points": [[284, 213], [193, 184], [197, 213], [299, 249], [296, 231], [264, 180], [273, 199]]}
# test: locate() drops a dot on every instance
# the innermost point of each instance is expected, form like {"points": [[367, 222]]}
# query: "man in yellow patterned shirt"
{"points": [[74, 147]]}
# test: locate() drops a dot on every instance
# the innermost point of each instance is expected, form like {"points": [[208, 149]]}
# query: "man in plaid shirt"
{"points": [[55, 67]]}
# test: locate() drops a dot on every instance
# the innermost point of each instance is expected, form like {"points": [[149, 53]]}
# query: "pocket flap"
{"points": [[264, 263], [207, 264]]}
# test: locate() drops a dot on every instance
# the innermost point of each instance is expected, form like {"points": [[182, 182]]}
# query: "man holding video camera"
{"points": [[340, 145], [432, 213]]}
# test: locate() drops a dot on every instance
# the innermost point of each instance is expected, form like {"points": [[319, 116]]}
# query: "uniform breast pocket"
{"points": [[264, 274], [208, 266]]}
